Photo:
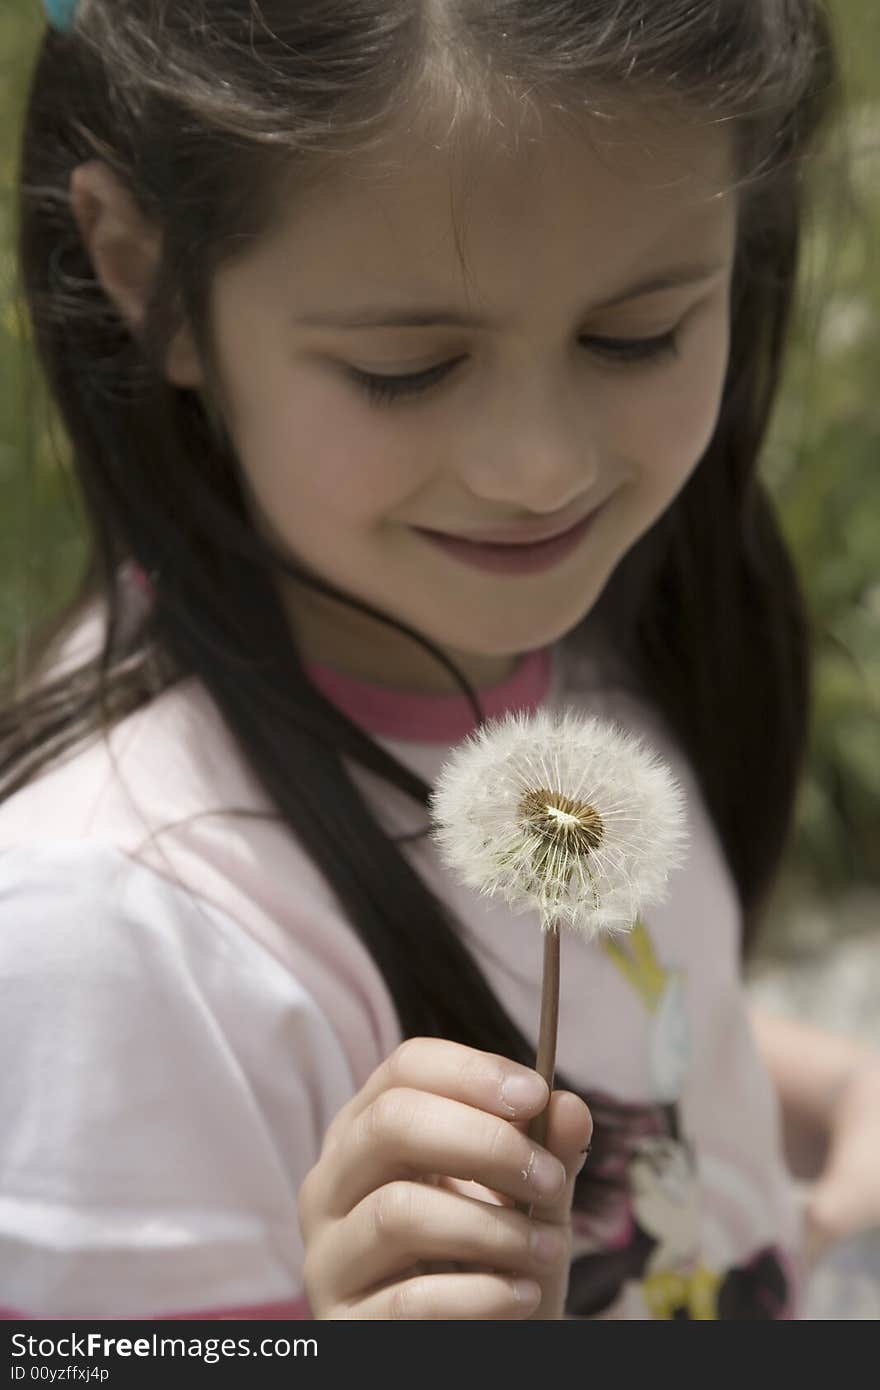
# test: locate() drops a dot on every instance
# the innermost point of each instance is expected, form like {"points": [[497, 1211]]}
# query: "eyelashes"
{"points": [[625, 351], [391, 388]]}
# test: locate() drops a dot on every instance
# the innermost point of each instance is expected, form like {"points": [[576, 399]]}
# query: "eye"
{"points": [[390, 388], [636, 349], [623, 350]]}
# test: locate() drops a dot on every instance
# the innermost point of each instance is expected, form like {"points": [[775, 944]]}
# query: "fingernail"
{"points": [[585, 1154], [545, 1173], [526, 1290], [519, 1091]]}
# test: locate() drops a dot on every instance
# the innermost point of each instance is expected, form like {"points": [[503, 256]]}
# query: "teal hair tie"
{"points": [[61, 13]]}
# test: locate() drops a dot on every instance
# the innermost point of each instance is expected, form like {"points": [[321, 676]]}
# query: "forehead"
{"points": [[547, 197]]}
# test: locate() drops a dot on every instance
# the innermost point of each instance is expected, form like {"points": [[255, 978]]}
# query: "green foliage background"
{"points": [[823, 461]]}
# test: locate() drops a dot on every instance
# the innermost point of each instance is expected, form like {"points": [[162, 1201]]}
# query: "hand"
{"points": [[846, 1197], [422, 1168]]}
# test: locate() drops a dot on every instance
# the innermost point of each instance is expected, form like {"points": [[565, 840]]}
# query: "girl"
{"points": [[416, 359]]}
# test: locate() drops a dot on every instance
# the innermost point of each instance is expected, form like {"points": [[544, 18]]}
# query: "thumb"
{"points": [[565, 1129], [569, 1127]]}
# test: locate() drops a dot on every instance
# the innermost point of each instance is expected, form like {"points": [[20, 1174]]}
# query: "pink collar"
{"points": [[414, 717]]}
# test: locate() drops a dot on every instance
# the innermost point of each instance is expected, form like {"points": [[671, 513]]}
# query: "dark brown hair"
{"points": [[203, 109]]}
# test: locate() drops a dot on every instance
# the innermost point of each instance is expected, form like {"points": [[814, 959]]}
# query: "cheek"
{"points": [[356, 476], [314, 459], [669, 428]]}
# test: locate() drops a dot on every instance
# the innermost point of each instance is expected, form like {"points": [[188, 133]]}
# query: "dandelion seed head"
{"points": [[564, 813], [561, 820]]}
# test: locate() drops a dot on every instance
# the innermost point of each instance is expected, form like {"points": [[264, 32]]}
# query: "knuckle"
{"points": [[305, 1202], [503, 1144], [394, 1211], [334, 1132], [308, 1270], [303, 1196], [501, 1234], [390, 1113], [404, 1300], [480, 1071], [407, 1058]]}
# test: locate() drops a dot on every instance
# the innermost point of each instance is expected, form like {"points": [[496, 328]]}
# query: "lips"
{"points": [[510, 559], [524, 535]]}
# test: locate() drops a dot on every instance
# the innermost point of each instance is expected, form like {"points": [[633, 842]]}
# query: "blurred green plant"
{"points": [[822, 466], [42, 533], [821, 462]]}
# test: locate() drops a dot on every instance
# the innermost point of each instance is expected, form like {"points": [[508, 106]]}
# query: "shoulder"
{"points": [[171, 757], [96, 948], [169, 790], [209, 904]]}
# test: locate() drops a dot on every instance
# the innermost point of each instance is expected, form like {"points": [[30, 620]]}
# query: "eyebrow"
{"points": [[378, 317]]}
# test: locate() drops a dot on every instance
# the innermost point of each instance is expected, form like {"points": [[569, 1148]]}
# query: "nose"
{"points": [[537, 454]]}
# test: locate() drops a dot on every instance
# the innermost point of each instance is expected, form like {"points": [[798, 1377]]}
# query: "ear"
{"points": [[125, 250]]}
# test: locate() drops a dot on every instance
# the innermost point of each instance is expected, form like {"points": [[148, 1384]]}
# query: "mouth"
{"points": [[513, 536], [509, 556]]}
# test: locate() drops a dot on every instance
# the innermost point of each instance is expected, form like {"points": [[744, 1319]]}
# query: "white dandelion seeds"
{"points": [[567, 814], [563, 813]]}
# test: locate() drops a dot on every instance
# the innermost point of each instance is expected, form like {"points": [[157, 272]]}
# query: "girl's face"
{"points": [[589, 373]]}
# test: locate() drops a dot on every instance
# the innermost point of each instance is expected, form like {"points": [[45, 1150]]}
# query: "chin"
{"points": [[511, 638]]}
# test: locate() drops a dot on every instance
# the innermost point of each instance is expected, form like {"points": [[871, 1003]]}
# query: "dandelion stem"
{"points": [[545, 1064]]}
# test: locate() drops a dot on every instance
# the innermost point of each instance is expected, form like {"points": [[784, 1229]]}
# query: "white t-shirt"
{"points": [[182, 1014]]}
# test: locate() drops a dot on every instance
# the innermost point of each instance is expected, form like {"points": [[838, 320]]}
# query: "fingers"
{"points": [[391, 1129], [406, 1223], [407, 1133], [451, 1296], [482, 1079], [409, 1211]]}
